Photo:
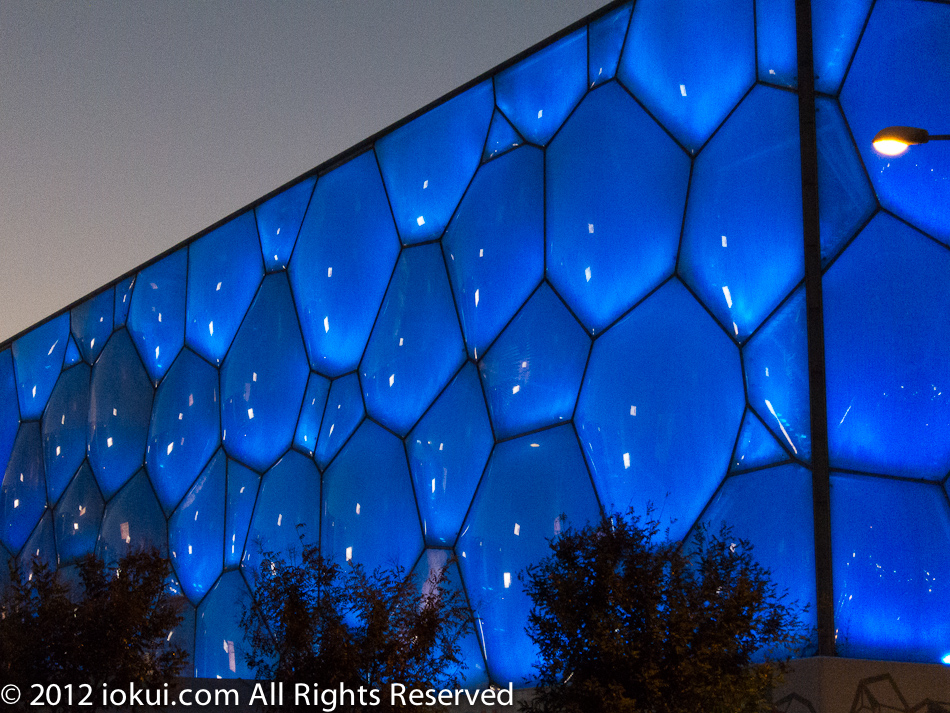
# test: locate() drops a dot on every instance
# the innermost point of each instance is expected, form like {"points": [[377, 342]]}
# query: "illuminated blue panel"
{"points": [[157, 314], [660, 408], [502, 137], [415, 346], [369, 512], [185, 427], [278, 222], [123, 300], [9, 411], [78, 515], [912, 40], [311, 413], [887, 345], [41, 546], [182, 635], [263, 378], [690, 69], [133, 520], [196, 531], [616, 186], [539, 92], [224, 271], [447, 452], [776, 42], [494, 246], [776, 370], [65, 424], [72, 353], [891, 546], [23, 493], [243, 484], [742, 242], [533, 372], [219, 639], [530, 484], [119, 412], [428, 162], [343, 414], [342, 264], [92, 322], [38, 357], [756, 447], [606, 40], [836, 27]]}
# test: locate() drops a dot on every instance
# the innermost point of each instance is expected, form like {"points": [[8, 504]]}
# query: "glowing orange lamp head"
{"points": [[894, 140]]}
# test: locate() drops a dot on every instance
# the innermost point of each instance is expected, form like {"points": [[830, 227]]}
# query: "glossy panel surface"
{"points": [[38, 359], [278, 222], [836, 26], [756, 446], [219, 639], [311, 413], [343, 414], [23, 492], [157, 312], [123, 300], [133, 520], [78, 514], [72, 353], [183, 635], [41, 546], [91, 324], [776, 43], [502, 137], [243, 484], [9, 410], [65, 423], [605, 40]]}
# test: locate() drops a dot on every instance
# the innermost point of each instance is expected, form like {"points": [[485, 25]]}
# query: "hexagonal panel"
{"points": [[133, 520], [243, 484], [38, 359], [72, 353], [157, 312], [78, 515], [311, 413], [91, 324], [756, 446], [502, 137], [776, 43], [605, 40], [41, 546], [23, 493], [836, 28], [343, 414], [123, 300], [219, 639], [278, 222], [65, 424], [183, 635]]}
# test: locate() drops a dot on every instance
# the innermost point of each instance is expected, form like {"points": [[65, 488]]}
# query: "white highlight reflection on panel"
{"points": [[728, 295], [507, 579]]}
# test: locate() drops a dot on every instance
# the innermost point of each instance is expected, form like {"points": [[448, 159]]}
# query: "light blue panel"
{"points": [[912, 40], [660, 408], [756, 447], [263, 378], [606, 35], [494, 246], [38, 359], [690, 62], [123, 300], [65, 423], [502, 137], [157, 313], [428, 162], [119, 411], [9, 410], [530, 485], [616, 187], [133, 520], [40, 546], [278, 222], [72, 353], [369, 512], [224, 271], [23, 493], [183, 635], [891, 546], [533, 372], [343, 414], [447, 451], [91, 323], [78, 515], [219, 639], [185, 427], [776, 42], [887, 346], [415, 346], [742, 241], [243, 484], [311, 413], [196, 531], [342, 264], [836, 27]]}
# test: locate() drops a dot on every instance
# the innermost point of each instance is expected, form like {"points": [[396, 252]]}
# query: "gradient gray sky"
{"points": [[126, 127]]}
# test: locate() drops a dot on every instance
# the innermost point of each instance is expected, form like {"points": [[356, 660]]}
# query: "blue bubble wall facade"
{"points": [[574, 286]]}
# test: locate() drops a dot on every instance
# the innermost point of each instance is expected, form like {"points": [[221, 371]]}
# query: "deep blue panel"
{"points": [[311, 413], [539, 92], [912, 40], [502, 137], [224, 271], [263, 378], [133, 520], [4, 570], [533, 372], [243, 484], [65, 424], [887, 346], [891, 549], [369, 513], [278, 221], [689, 62], [742, 241], [38, 358], [343, 414], [776, 42], [72, 353], [219, 639], [428, 162], [23, 493], [123, 300], [185, 427], [342, 264], [494, 246], [415, 346], [756, 446], [530, 484], [836, 27], [9, 410], [606, 35], [91, 323], [196, 531], [157, 313], [119, 410], [660, 408], [41, 546], [447, 452], [183, 635], [78, 515]]}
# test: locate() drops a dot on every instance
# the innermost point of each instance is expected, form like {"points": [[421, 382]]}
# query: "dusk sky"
{"points": [[127, 127]]}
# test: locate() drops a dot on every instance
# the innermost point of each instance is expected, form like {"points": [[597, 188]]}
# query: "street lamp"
{"points": [[894, 140]]}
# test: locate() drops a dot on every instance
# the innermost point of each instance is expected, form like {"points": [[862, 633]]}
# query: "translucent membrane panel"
{"points": [[836, 27], [92, 323], [369, 512], [9, 411], [502, 137], [605, 40], [133, 520], [428, 162], [887, 344], [65, 424], [278, 222], [38, 358], [530, 485], [243, 484], [185, 427], [23, 493], [660, 408], [742, 241], [416, 345], [123, 300], [263, 378], [157, 313], [183, 635], [78, 515], [494, 246], [342, 264], [311, 413], [616, 187], [538, 93], [776, 42], [72, 353], [41, 546], [119, 410], [533, 372], [756, 446], [891, 549], [689, 63], [196, 531], [219, 639], [343, 414], [912, 41], [447, 451], [224, 271]]}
